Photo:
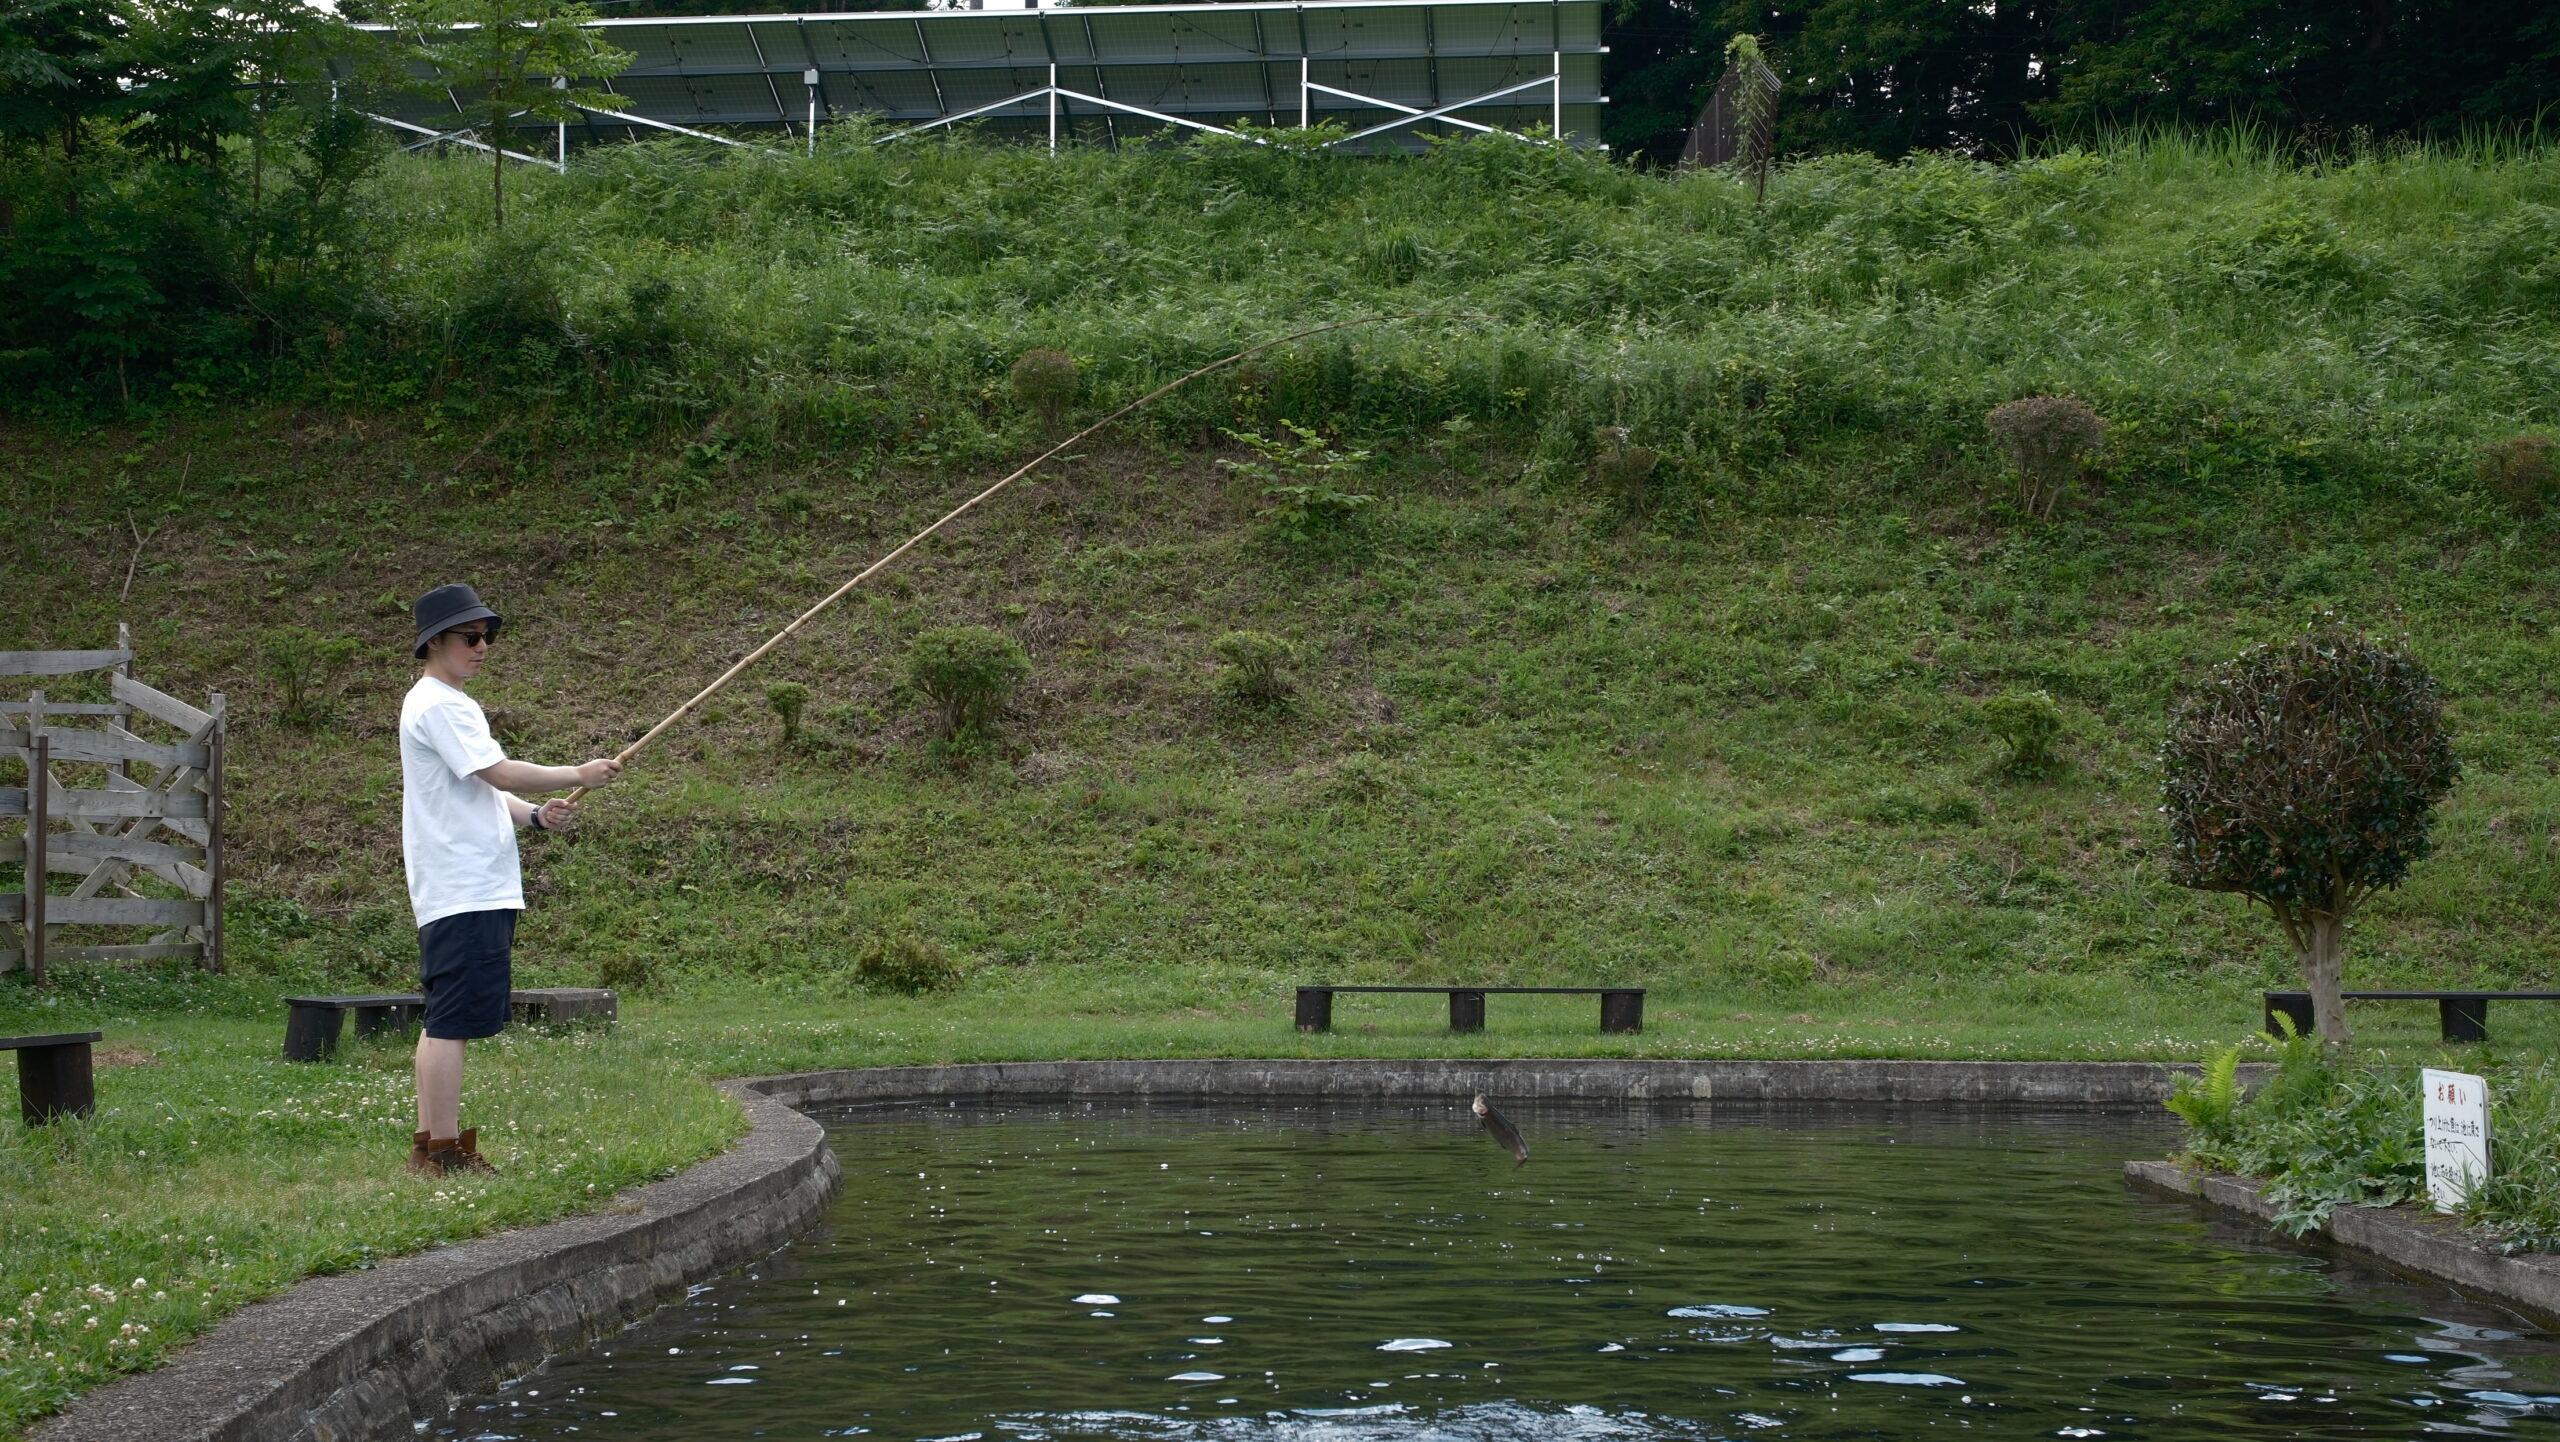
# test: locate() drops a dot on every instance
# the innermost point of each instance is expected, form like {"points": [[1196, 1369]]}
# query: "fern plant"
{"points": [[2210, 1103]]}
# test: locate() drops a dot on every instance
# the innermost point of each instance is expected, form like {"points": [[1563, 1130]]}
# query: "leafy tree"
{"points": [[59, 62], [2303, 777], [510, 60]]}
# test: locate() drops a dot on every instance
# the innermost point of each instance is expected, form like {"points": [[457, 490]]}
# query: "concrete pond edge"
{"points": [[2407, 1240], [365, 1355], [361, 1355]]}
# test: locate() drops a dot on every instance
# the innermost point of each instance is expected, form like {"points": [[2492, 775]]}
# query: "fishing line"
{"points": [[956, 512]]}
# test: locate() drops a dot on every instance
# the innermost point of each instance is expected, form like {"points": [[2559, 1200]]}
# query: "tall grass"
{"points": [[2371, 316]]}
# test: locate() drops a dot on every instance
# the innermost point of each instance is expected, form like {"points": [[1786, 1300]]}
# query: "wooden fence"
{"points": [[111, 834]]}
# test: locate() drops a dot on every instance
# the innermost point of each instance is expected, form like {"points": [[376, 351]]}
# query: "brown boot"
{"points": [[467, 1147], [418, 1155]]}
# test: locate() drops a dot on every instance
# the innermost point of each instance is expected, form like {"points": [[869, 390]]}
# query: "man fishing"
{"points": [[458, 823]]}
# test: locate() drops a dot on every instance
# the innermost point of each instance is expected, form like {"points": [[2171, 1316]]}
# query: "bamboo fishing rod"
{"points": [[956, 512]]}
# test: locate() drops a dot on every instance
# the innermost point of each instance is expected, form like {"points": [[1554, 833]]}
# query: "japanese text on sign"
{"points": [[2457, 1133]]}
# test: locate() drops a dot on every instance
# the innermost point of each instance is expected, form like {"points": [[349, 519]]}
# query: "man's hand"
{"points": [[557, 815], [603, 771]]}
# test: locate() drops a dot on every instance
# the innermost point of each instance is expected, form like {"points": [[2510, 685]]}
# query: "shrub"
{"points": [[2027, 723], [1623, 470], [305, 664], [1300, 471], [905, 963], [1045, 382], [2046, 439], [787, 698], [2304, 777], [966, 671], [2518, 470], [1254, 673], [633, 972]]}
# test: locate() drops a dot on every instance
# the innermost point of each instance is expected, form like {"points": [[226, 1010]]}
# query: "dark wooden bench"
{"points": [[54, 1079], [312, 1026], [1621, 1007], [2460, 1015], [565, 1005]]}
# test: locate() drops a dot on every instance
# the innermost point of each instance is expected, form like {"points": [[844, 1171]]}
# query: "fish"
{"points": [[1499, 1127]]}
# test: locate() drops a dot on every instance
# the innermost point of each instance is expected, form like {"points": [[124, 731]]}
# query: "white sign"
{"points": [[2457, 1135]]}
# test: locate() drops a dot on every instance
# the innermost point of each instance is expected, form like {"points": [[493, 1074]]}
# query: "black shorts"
{"points": [[466, 966]]}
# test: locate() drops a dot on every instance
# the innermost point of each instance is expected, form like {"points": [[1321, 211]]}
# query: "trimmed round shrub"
{"points": [[1045, 382], [904, 963], [2027, 723], [966, 672], [2046, 439], [2518, 470]]}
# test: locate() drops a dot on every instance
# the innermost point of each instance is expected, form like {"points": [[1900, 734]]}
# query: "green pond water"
{"points": [[1074, 1270]]}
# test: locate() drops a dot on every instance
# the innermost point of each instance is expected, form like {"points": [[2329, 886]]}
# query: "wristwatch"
{"points": [[537, 820]]}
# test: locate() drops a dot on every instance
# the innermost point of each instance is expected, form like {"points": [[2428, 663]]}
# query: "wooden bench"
{"points": [[313, 1024], [1621, 1007], [2460, 1015], [565, 1005], [54, 1079]]}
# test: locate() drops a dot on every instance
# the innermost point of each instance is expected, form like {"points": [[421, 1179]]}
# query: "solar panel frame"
{"points": [[1208, 64]]}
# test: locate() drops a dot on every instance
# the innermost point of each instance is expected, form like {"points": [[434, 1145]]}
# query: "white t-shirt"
{"points": [[454, 827]]}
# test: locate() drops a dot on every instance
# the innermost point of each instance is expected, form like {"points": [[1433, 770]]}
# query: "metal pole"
{"points": [[561, 159], [1302, 92], [1559, 87], [809, 77], [1053, 107]]}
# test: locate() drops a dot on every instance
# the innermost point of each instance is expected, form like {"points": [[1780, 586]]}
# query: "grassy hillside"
{"points": [[1722, 727]]}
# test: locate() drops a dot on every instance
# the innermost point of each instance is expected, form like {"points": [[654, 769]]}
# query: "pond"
{"points": [[1088, 1270]]}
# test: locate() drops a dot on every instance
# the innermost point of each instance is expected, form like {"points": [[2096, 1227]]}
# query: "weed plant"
{"points": [[787, 700], [1257, 668], [305, 666]]}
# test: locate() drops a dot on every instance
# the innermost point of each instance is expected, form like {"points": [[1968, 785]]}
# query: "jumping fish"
{"points": [[1499, 1127]]}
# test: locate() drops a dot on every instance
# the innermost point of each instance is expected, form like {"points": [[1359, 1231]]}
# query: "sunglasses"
{"points": [[473, 638]]}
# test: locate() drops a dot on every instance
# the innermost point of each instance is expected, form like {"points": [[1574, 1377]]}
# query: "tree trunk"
{"points": [[2324, 969]]}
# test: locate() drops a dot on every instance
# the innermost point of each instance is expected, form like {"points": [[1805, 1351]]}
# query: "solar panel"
{"points": [[1400, 70]]}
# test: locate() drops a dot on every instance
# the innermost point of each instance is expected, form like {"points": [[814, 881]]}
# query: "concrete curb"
{"points": [[2405, 1239], [364, 1354], [2103, 1083]]}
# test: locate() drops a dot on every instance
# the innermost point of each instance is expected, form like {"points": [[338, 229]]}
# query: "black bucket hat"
{"points": [[446, 607]]}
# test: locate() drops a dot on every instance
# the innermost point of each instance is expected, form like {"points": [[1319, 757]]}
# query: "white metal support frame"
{"points": [[1053, 92], [1444, 112], [460, 137], [627, 118]]}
